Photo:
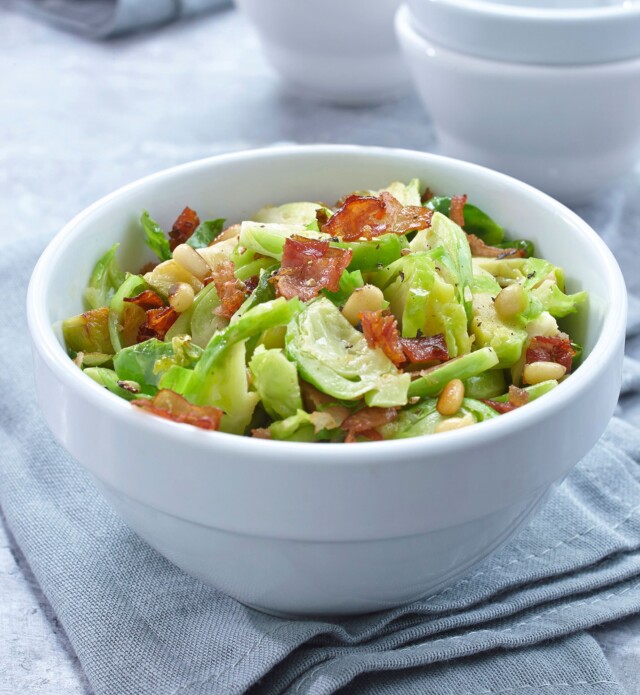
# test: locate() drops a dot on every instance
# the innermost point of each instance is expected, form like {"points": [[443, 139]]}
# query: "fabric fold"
{"points": [[107, 18]]}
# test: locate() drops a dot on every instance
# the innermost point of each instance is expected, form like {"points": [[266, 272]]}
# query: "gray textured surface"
{"points": [[79, 119]]}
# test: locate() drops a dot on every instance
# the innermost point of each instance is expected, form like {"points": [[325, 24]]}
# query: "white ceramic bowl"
{"points": [[341, 51], [310, 528], [569, 130], [544, 35]]}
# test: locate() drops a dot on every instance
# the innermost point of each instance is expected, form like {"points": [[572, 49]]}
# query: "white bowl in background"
{"points": [[539, 35], [302, 528], [568, 130], [340, 51]]}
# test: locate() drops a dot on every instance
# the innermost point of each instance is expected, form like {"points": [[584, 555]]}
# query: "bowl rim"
{"points": [[523, 13], [45, 342], [408, 27]]}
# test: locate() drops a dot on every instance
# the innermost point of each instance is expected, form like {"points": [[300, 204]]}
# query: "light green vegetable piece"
{"points": [[489, 384], [132, 286], [205, 233], [425, 302], [332, 355], [155, 237], [534, 391], [423, 418], [225, 386], [507, 338], [109, 379], [454, 261], [268, 238], [254, 322], [290, 213], [105, 279], [145, 362], [88, 332], [276, 380], [435, 379]]}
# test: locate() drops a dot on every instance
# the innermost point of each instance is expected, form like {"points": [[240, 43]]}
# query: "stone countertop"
{"points": [[79, 119]]}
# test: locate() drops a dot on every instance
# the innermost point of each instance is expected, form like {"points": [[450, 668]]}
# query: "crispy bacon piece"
{"points": [[517, 398], [309, 265], [543, 349], [157, 323], [172, 406], [321, 217], [147, 268], [368, 217], [365, 421], [183, 227], [381, 330], [261, 433], [456, 212], [499, 406], [147, 299], [251, 283], [479, 248], [426, 196], [231, 291], [431, 348], [320, 404]]}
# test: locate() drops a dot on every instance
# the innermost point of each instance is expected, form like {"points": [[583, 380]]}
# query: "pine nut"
{"points": [[511, 301], [454, 423], [451, 397], [536, 372], [367, 298], [181, 296], [191, 260]]}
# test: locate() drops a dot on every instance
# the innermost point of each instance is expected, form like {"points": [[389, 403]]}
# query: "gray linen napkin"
{"points": [[141, 626], [105, 18]]}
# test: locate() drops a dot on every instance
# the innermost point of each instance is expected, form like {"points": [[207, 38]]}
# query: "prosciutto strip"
{"points": [[381, 331], [308, 266], [147, 299], [517, 398], [231, 291], [482, 250], [456, 213], [183, 227], [431, 348], [557, 349], [365, 422], [172, 406], [369, 216], [157, 323]]}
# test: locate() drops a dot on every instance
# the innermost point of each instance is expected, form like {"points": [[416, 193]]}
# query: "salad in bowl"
{"points": [[390, 314]]}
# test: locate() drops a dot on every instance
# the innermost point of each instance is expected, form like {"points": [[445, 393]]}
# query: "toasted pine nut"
{"points": [[191, 260], [181, 296], [454, 423], [367, 298], [451, 397], [536, 372], [511, 301]]}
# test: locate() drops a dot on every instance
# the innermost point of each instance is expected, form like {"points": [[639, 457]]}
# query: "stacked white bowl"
{"points": [[547, 93]]}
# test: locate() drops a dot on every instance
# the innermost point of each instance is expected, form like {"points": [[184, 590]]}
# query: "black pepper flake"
{"points": [[401, 274]]}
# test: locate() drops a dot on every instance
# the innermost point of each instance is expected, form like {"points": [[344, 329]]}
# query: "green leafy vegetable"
{"points": [[105, 279], [205, 233], [335, 357], [475, 220], [155, 237], [276, 380]]}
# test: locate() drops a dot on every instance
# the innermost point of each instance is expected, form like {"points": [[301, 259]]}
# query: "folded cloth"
{"points": [[141, 626], [105, 18]]}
